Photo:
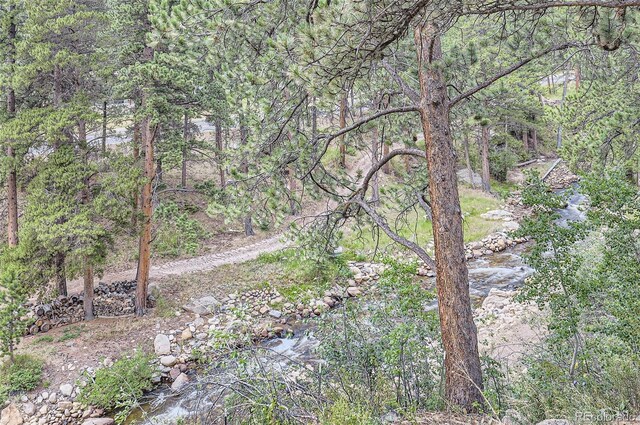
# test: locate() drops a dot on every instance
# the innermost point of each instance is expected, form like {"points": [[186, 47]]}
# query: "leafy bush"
{"points": [[390, 351], [501, 161], [120, 386], [178, 234], [23, 373]]}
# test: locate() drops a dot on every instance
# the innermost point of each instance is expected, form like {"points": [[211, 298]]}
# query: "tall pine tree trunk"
{"points": [[144, 249], [136, 157], [87, 299], [463, 374], [484, 155]]}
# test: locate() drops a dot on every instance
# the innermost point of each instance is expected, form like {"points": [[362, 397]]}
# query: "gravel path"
{"points": [[197, 264]]}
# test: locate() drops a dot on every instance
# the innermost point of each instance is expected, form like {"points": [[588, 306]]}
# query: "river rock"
{"points": [[180, 382], [202, 306], [162, 345], [554, 422], [168, 361], [11, 415], [99, 421], [498, 215], [354, 291], [66, 390], [29, 408], [186, 334], [276, 314]]}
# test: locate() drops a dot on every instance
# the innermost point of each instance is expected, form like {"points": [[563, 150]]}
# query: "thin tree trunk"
{"points": [[104, 126], [467, 159], [185, 136], [386, 168], [136, 157], [463, 373], [534, 140], [343, 124], [220, 149], [144, 256], [484, 154], [578, 72], [87, 299]]}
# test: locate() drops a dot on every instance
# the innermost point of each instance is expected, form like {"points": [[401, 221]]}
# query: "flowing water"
{"points": [[505, 271]]}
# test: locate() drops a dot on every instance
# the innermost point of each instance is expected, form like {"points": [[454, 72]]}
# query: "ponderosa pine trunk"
{"points": [[12, 175], [463, 374], [484, 155], [343, 124], [87, 299], [144, 249], [136, 157], [386, 168]]}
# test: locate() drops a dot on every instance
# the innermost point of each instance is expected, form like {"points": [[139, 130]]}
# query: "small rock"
{"points": [[202, 306], [29, 409], [66, 390], [354, 291], [53, 398], [168, 361], [180, 382], [275, 314], [186, 334], [162, 345], [99, 421]]}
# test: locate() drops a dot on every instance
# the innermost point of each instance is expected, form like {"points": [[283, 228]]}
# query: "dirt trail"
{"points": [[196, 264]]}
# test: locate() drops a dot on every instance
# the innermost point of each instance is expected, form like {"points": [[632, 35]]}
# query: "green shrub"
{"points": [[120, 386], [178, 233], [24, 373]]}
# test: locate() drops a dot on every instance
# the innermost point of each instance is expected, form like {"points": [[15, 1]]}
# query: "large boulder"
{"points": [[202, 306], [162, 345], [11, 415]]}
